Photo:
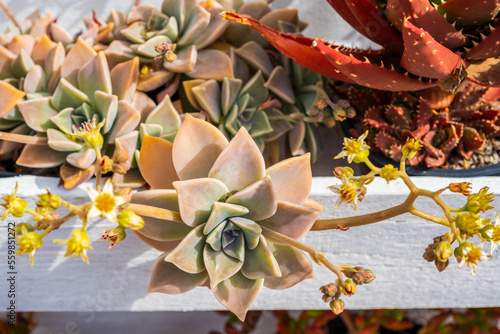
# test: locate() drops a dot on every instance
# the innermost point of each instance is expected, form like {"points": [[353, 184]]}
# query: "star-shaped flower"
{"points": [[105, 203]]}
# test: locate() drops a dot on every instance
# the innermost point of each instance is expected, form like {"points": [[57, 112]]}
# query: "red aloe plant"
{"points": [[424, 44]]}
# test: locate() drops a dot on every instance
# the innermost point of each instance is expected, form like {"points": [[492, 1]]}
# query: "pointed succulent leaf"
{"points": [[469, 12], [294, 267], [94, 76], [37, 113], [240, 164], [219, 265], [79, 54], [255, 87], [106, 106], [229, 93], [220, 212], [194, 155], [61, 142], [162, 246], [83, 159], [22, 64], [66, 95], [185, 62], [260, 125], [21, 42], [279, 84], [40, 156], [260, 262], [237, 293], [291, 219], [41, 49], [296, 137], [197, 197], [188, 89], [63, 120], [129, 144], [147, 49], [251, 230], [124, 77], [292, 179], [212, 64], [166, 116], [259, 198], [214, 238], [197, 22], [119, 51], [59, 34], [213, 31], [168, 278], [155, 163], [189, 254], [35, 80], [54, 60], [256, 57], [135, 32], [9, 96], [6, 59], [127, 119], [486, 72], [159, 229], [208, 96], [487, 48], [425, 57]]}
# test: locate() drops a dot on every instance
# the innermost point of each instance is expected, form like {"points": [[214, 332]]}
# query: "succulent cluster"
{"points": [[446, 123]]}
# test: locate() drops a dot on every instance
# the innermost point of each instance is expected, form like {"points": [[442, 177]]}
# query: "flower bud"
{"points": [[129, 219], [50, 201], [346, 172], [121, 168], [443, 251], [389, 173], [470, 222], [479, 202], [120, 156], [410, 148], [348, 287], [105, 164], [441, 265], [124, 192], [486, 233], [337, 306], [329, 291]]}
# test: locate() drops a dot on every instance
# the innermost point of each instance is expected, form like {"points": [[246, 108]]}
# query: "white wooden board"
{"points": [[116, 279]]}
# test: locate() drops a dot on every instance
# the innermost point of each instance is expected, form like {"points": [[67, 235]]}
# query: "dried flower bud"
{"points": [[462, 188], [443, 251], [329, 291], [389, 173], [105, 165], [348, 287], [441, 265], [129, 219], [410, 148], [337, 306]]}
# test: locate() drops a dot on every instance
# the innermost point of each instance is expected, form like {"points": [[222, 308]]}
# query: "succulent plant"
{"points": [[86, 93], [425, 43], [229, 205], [444, 122], [173, 41]]}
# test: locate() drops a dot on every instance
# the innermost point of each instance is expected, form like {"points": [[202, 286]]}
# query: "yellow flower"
{"points": [[355, 149], [389, 173], [410, 148], [28, 242], [462, 188], [90, 132], [13, 205], [77, 244], [105, 203], [129, 219], [349, 193], [469, 254]]}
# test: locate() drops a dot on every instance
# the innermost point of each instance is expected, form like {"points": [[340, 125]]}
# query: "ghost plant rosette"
{"points": [[230, 210]]}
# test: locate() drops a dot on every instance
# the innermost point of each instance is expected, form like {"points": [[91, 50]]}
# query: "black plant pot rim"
{"points": [[381, 160]]}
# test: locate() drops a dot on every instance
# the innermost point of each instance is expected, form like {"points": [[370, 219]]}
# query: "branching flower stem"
{"points": [[9, 15], [23, 139], [98, 174]]}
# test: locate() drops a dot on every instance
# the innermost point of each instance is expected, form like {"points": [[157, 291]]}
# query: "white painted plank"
{"points": [[116, 279]]}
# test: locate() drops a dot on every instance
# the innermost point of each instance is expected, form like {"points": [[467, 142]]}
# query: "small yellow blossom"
{"points": [[410, 148], [350, 192], [470, 222], [13, 205], [479, 202], [469, 254], [491, 233], [355, 149], [28, 242], [77, 244], [90, 132], [105, 203]]}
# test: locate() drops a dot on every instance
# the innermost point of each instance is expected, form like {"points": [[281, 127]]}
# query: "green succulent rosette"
{"points": [[87, 92], [227, 200], [189, 26]]}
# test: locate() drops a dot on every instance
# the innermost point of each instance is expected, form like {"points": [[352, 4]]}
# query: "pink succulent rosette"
{"points": [[227, 200]]}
